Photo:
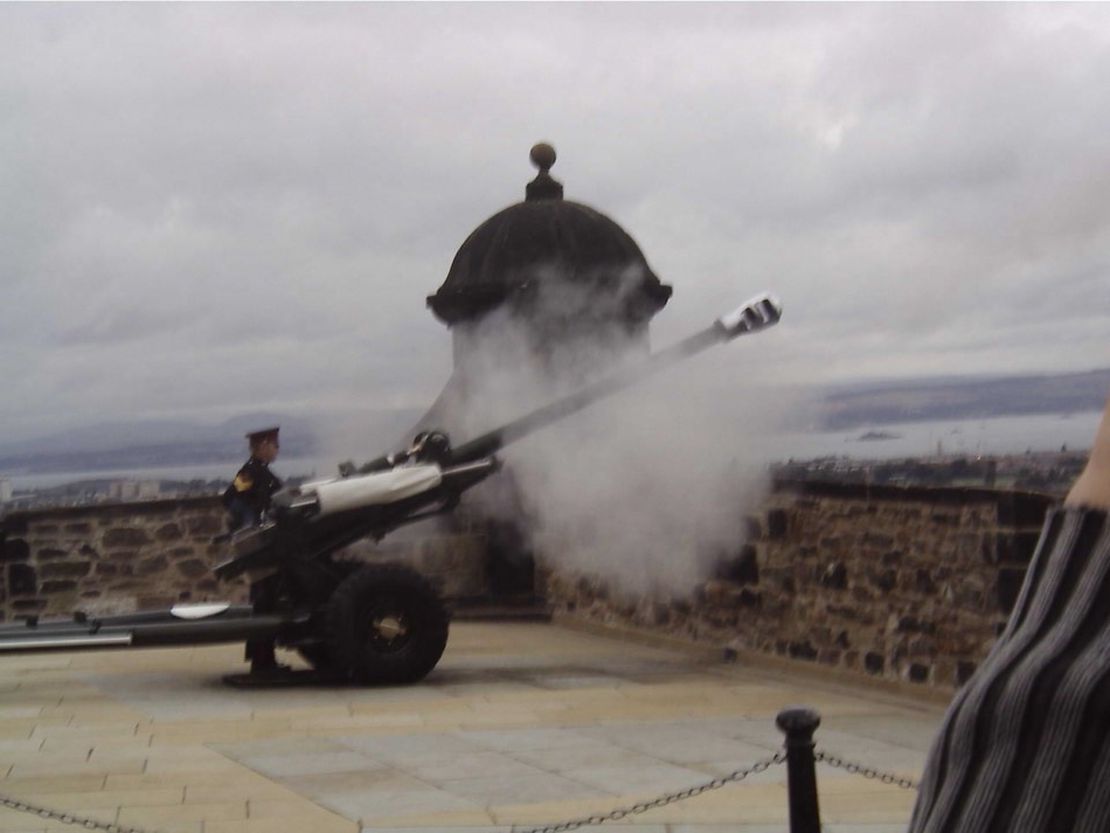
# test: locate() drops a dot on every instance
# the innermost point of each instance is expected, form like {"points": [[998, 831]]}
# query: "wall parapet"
{"points": [[121, 557], [903, 583], [111, 558]]}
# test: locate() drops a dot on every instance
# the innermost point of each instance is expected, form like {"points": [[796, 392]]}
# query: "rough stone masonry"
{"points": [[909, 584], [118, 558]]}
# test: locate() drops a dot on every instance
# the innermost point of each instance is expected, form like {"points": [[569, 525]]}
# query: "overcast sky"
{"points": [[210, 209]]}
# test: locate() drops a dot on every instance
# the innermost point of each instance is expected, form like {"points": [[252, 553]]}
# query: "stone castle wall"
{"points": [[118, 558], [909, 584], [111, 558]]}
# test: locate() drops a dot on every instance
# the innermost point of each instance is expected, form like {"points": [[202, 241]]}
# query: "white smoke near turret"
{"points": [[645, 490], [554, 335]]}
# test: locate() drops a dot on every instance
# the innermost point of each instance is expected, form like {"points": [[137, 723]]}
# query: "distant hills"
{"points": [[155, 443], [921, 400]]}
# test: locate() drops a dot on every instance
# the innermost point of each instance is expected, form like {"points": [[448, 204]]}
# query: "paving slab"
{"points": [[521, 724]]}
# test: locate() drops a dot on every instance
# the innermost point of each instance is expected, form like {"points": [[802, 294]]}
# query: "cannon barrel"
{"points": [[757, 314]]}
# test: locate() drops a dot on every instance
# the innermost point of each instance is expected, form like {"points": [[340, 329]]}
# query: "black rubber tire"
{"points": [[386, 625]]}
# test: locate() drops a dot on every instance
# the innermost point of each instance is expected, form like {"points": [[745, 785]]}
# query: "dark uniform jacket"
{"points": [[249, 494]]}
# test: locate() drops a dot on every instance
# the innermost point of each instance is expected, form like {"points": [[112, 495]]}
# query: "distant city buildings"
{"points": [[93, 492], [1048, 472], [131, 490]]}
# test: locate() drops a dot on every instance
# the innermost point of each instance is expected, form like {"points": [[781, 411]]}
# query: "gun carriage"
{"points": [[353, 621]]}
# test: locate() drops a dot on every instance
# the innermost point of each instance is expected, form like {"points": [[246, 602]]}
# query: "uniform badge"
{"points": [[243, 482]]}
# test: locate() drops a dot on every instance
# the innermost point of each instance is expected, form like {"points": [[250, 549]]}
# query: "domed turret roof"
{"points": [[546, 238]]}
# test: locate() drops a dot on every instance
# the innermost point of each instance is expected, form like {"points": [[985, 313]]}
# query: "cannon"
{"points": [[354, 622]]}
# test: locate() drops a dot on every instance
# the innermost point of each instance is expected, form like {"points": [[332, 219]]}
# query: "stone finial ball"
{"points": [[543, 156]]}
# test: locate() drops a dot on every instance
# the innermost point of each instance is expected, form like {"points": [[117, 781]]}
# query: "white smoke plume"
{"points": [[646, 490]]}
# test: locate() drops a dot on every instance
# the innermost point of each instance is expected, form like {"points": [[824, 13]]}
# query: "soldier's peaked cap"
{"points": [[263, 434]]}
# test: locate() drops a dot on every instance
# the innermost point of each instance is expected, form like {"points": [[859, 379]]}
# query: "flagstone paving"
{"points": [[520, 725]]}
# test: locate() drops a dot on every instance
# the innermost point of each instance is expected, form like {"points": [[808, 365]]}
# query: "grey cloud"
{"points": [[209, 206]]}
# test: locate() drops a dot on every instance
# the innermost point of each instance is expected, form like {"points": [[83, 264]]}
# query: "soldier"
{"points": [[248, 496], [247, 499]]}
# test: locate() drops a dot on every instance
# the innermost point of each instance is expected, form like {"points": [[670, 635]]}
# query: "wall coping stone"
{"points": [[950, 495], [15, 520], [953, 495]]}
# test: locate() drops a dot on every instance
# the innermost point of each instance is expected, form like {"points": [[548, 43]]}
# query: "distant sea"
{"points": [[294, 467], [990, 436], [973, 437]]}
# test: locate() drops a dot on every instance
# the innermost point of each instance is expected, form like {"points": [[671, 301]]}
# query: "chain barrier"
{"points": [[66, 818], [865, 771], [661, 801], [561, 827]]}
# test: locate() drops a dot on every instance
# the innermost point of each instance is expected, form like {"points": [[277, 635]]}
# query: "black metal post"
{"points": [[799, 724]]}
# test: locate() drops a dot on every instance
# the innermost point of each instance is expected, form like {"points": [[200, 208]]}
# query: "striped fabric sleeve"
{"points": [[1025, 745]]}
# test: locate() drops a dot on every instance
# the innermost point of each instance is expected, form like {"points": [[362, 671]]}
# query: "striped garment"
{"points": [[1025, 745]]}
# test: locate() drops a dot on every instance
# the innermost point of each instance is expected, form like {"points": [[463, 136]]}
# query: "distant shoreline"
{"points": [[875, 415], [924, 400], [993, 436]]}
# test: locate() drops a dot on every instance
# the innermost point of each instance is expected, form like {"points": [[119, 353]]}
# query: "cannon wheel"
{"points": [[385, 625], [318, 652]]}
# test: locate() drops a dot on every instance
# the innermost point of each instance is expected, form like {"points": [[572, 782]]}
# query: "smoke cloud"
{"points": [[645, 490]]}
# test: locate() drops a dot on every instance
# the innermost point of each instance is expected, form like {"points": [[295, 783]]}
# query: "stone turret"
{"points": [[553, 284], [542, 296]]}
